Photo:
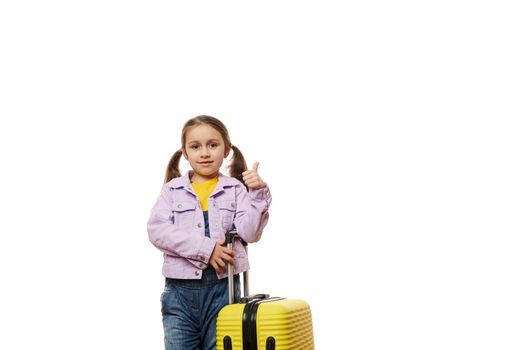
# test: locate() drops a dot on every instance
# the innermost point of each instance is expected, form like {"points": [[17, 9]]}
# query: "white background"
{"points": [[391, 135]]}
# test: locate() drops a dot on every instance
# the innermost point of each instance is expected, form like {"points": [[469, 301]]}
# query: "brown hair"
{"points": [[237, 165]]}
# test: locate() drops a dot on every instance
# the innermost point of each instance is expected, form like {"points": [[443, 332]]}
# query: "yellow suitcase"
{"points": [[262, 323]]}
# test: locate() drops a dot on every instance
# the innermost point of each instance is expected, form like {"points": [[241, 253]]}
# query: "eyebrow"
{"points": [[212, 140]]}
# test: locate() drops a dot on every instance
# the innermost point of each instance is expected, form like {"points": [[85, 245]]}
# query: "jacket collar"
{"points": [[185, 182]]}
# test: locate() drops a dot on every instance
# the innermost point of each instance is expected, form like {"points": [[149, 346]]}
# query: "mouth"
{"points": [[206, 163]]}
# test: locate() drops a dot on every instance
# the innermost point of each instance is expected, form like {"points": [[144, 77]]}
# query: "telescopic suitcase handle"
{"points": [[230, 236]]}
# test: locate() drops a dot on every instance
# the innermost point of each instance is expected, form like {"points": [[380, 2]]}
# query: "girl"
{"points": [[188, 224]]}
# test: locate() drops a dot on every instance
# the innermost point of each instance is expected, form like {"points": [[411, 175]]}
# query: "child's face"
{"points": [[205, 150]]}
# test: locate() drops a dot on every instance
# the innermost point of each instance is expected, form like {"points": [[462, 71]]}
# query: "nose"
{"points": [[205, 152]]}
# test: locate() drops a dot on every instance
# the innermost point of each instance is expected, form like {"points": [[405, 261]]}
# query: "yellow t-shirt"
{"points": [[204, 190]]}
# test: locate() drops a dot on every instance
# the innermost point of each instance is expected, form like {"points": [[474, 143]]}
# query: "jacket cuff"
{"points": [[205, 251], [263, 194]]}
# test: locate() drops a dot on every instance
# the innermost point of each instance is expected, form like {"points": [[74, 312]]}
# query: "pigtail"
{"points": [[172, 170], [237, 165]]}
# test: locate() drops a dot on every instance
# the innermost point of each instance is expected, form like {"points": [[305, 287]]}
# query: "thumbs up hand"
{"points": [[252, 178]]}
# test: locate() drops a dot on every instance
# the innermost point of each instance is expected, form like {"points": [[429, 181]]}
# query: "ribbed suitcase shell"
{"points": [[288, 321]]}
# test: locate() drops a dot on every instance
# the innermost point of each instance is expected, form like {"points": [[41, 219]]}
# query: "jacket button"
{"points": [[232, 205], [197, 273], [202, 258], [199, 225], [179, 206]]}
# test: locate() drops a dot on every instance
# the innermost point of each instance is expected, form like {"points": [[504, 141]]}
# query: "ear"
{"points": [[184, 153], [227, 152]]}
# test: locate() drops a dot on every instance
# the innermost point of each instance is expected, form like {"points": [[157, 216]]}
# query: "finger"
{"points": [[219, 270], [255, 166], [251, 176], [254, 182], [250, 181], [229, 251], [220, 263], [228, 259], [227, 255], [251, 173]]}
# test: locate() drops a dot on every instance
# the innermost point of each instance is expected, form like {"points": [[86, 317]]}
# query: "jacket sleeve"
{"points": [[174, 241], [252, 212]]}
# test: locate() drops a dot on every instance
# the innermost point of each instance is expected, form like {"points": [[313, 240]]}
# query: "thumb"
{"points": [[255, 166], [221, 241]]}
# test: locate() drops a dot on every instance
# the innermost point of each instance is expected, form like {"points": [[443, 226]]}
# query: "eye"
{"points": [[194, 147], [213, 145]]}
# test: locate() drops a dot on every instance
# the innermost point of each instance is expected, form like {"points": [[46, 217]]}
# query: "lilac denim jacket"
{"points": [[176, 225]]}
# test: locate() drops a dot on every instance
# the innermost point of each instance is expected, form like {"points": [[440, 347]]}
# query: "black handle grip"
{"points": [[247, 299], [230, 235]]}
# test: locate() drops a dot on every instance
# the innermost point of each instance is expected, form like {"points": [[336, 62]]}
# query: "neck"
{"points": [[197, 178]]}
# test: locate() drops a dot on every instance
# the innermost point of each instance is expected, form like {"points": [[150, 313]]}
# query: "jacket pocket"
{"points": [[227, 210], [183, 213]]}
